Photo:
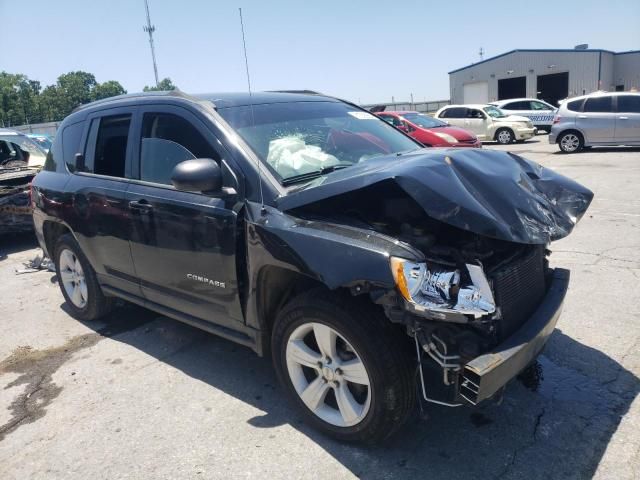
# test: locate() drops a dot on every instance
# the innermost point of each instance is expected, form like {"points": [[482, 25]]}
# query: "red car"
{"points": [[430, 131]]}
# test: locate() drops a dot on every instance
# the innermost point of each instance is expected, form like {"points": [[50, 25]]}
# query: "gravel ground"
{"points": [[142, 396]]}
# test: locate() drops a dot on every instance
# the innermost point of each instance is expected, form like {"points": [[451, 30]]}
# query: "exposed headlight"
{"points": [[441, 290], [446, 137]]}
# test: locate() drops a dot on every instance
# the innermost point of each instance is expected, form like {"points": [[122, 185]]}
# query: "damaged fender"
{"points": [[495, 194]]}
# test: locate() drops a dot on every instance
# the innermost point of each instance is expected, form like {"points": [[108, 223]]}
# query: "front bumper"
{"points": [[525, 133], [488, 373]]}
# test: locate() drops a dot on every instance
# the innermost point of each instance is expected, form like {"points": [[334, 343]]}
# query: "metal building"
{"points": [[550, 75]]}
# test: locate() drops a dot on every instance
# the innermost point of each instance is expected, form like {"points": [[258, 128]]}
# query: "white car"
{"points": [[488, 122], [17, 150], [539, 112]]}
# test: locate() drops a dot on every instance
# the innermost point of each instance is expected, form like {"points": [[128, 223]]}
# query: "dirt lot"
{"points": [[142, 396]]}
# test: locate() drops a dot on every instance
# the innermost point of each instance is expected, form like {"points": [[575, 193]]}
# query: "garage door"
{"points": [[477, 92]]}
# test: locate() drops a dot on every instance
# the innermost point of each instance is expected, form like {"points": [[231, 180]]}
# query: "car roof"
{"points": [[468, 105], [238, 99], [220, 100], [6, 131], [400, 112], [598, 93], [523, 99]]}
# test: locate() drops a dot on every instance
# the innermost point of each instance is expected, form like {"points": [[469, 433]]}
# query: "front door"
{"points": [[597, 120], [101, 219], [183, 243], [476, 122], [628, 119]]}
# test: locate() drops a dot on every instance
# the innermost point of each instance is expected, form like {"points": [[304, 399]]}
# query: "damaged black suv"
{"points": [[374, 271]]}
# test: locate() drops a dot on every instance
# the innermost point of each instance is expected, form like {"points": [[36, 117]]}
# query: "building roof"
{"points": [[543, 50]]}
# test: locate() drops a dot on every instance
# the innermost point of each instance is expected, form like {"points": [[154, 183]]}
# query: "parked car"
{"points": [[539, 112], [489, 123], [597, 119], [430, 131], [305, 227], [18, 150], [41, 139]]}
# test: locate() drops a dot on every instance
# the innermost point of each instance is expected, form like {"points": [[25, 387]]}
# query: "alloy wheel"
{"points": [[72, 278], [328, 374], [570, 142]]}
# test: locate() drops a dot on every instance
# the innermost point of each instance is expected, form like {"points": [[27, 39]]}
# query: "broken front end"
{"points": [[477, 318], [482, 301]]}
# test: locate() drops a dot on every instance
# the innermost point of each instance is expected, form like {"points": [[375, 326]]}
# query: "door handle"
{"points": [[623, 118], [141, 206], [582, 116]]}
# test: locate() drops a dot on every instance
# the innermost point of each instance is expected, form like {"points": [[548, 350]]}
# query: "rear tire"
{"points": [[570, 142], [505, 136], [78, 281], [382, 388]]}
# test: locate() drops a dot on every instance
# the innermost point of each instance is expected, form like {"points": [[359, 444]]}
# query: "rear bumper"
{"points": [[488, 373]]}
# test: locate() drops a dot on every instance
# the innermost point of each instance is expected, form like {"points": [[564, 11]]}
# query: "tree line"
{"points": [[24, 101]]}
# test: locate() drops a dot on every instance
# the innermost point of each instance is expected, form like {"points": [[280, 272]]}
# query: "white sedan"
{"points": [[539, 112]]}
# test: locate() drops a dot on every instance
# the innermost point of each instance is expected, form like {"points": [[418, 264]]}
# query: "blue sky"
{"points": [[364, 51]]}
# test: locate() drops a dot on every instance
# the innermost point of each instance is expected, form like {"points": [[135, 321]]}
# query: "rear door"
{"points": [[183, 243], [628, 119], [100, 217], [455, 116], [476, 122], [597, 119]]}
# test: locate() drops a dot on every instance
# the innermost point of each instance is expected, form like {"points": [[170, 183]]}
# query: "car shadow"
{"points": [[16, 242], [557, 422], [603, 150]]}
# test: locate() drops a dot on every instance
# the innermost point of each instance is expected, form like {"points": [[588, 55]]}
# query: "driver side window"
{"points": [[167, 140]]}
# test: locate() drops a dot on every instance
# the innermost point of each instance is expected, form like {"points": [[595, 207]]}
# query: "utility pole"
{"points": [[150, 29]]}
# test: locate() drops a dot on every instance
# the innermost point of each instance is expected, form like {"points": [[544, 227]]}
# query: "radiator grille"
{"points": [[519, 288]]}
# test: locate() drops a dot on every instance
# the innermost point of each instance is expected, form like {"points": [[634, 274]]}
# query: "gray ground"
{"points": [[146, 397]]}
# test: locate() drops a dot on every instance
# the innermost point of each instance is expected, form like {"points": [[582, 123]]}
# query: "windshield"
{"points": [[424, 121], [494, 112], [302, 140], [14, 143], [44, 142]]}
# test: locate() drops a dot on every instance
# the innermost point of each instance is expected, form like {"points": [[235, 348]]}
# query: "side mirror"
{"points": [[197, 175]]}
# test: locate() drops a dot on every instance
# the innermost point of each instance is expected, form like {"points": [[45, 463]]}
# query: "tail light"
{"points": [[556, 119]]}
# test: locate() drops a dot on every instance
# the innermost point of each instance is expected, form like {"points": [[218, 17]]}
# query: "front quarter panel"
{"points": [[334, 255]]}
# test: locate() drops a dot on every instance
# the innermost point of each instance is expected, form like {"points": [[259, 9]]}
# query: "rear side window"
{"points": [[454, 113], [166, 141], [517, 106], [71, 136], [106, 151], [575, 105], [598, 105], [629, 104]]}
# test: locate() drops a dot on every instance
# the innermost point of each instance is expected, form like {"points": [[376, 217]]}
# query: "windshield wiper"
{"points": [[303, 177]]}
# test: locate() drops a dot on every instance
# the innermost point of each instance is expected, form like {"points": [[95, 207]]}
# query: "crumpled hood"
{"points": [[491, 193]]}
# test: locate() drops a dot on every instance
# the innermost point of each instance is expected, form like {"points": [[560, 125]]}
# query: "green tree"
{"points": [[110, 88], [164, 85]]}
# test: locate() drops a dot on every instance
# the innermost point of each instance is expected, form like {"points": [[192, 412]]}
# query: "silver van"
{"points": [[602, 118]]}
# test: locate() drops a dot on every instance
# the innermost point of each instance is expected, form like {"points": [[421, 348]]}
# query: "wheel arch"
{"points": [[572, 130], [275, 287], [52, 231]]}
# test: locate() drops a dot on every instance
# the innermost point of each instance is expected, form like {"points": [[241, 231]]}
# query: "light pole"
{"points": [[150, 29]]}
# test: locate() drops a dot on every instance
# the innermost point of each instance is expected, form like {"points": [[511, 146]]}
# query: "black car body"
{"points": [[448, 247]]}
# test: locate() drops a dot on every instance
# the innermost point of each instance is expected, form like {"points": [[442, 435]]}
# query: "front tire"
{"points": [[78, 281], [570, 142], [505, 136], [344, 365]]}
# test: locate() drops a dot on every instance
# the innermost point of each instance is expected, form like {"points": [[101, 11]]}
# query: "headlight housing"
{"points": [[446, 137], [439, 291]]}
